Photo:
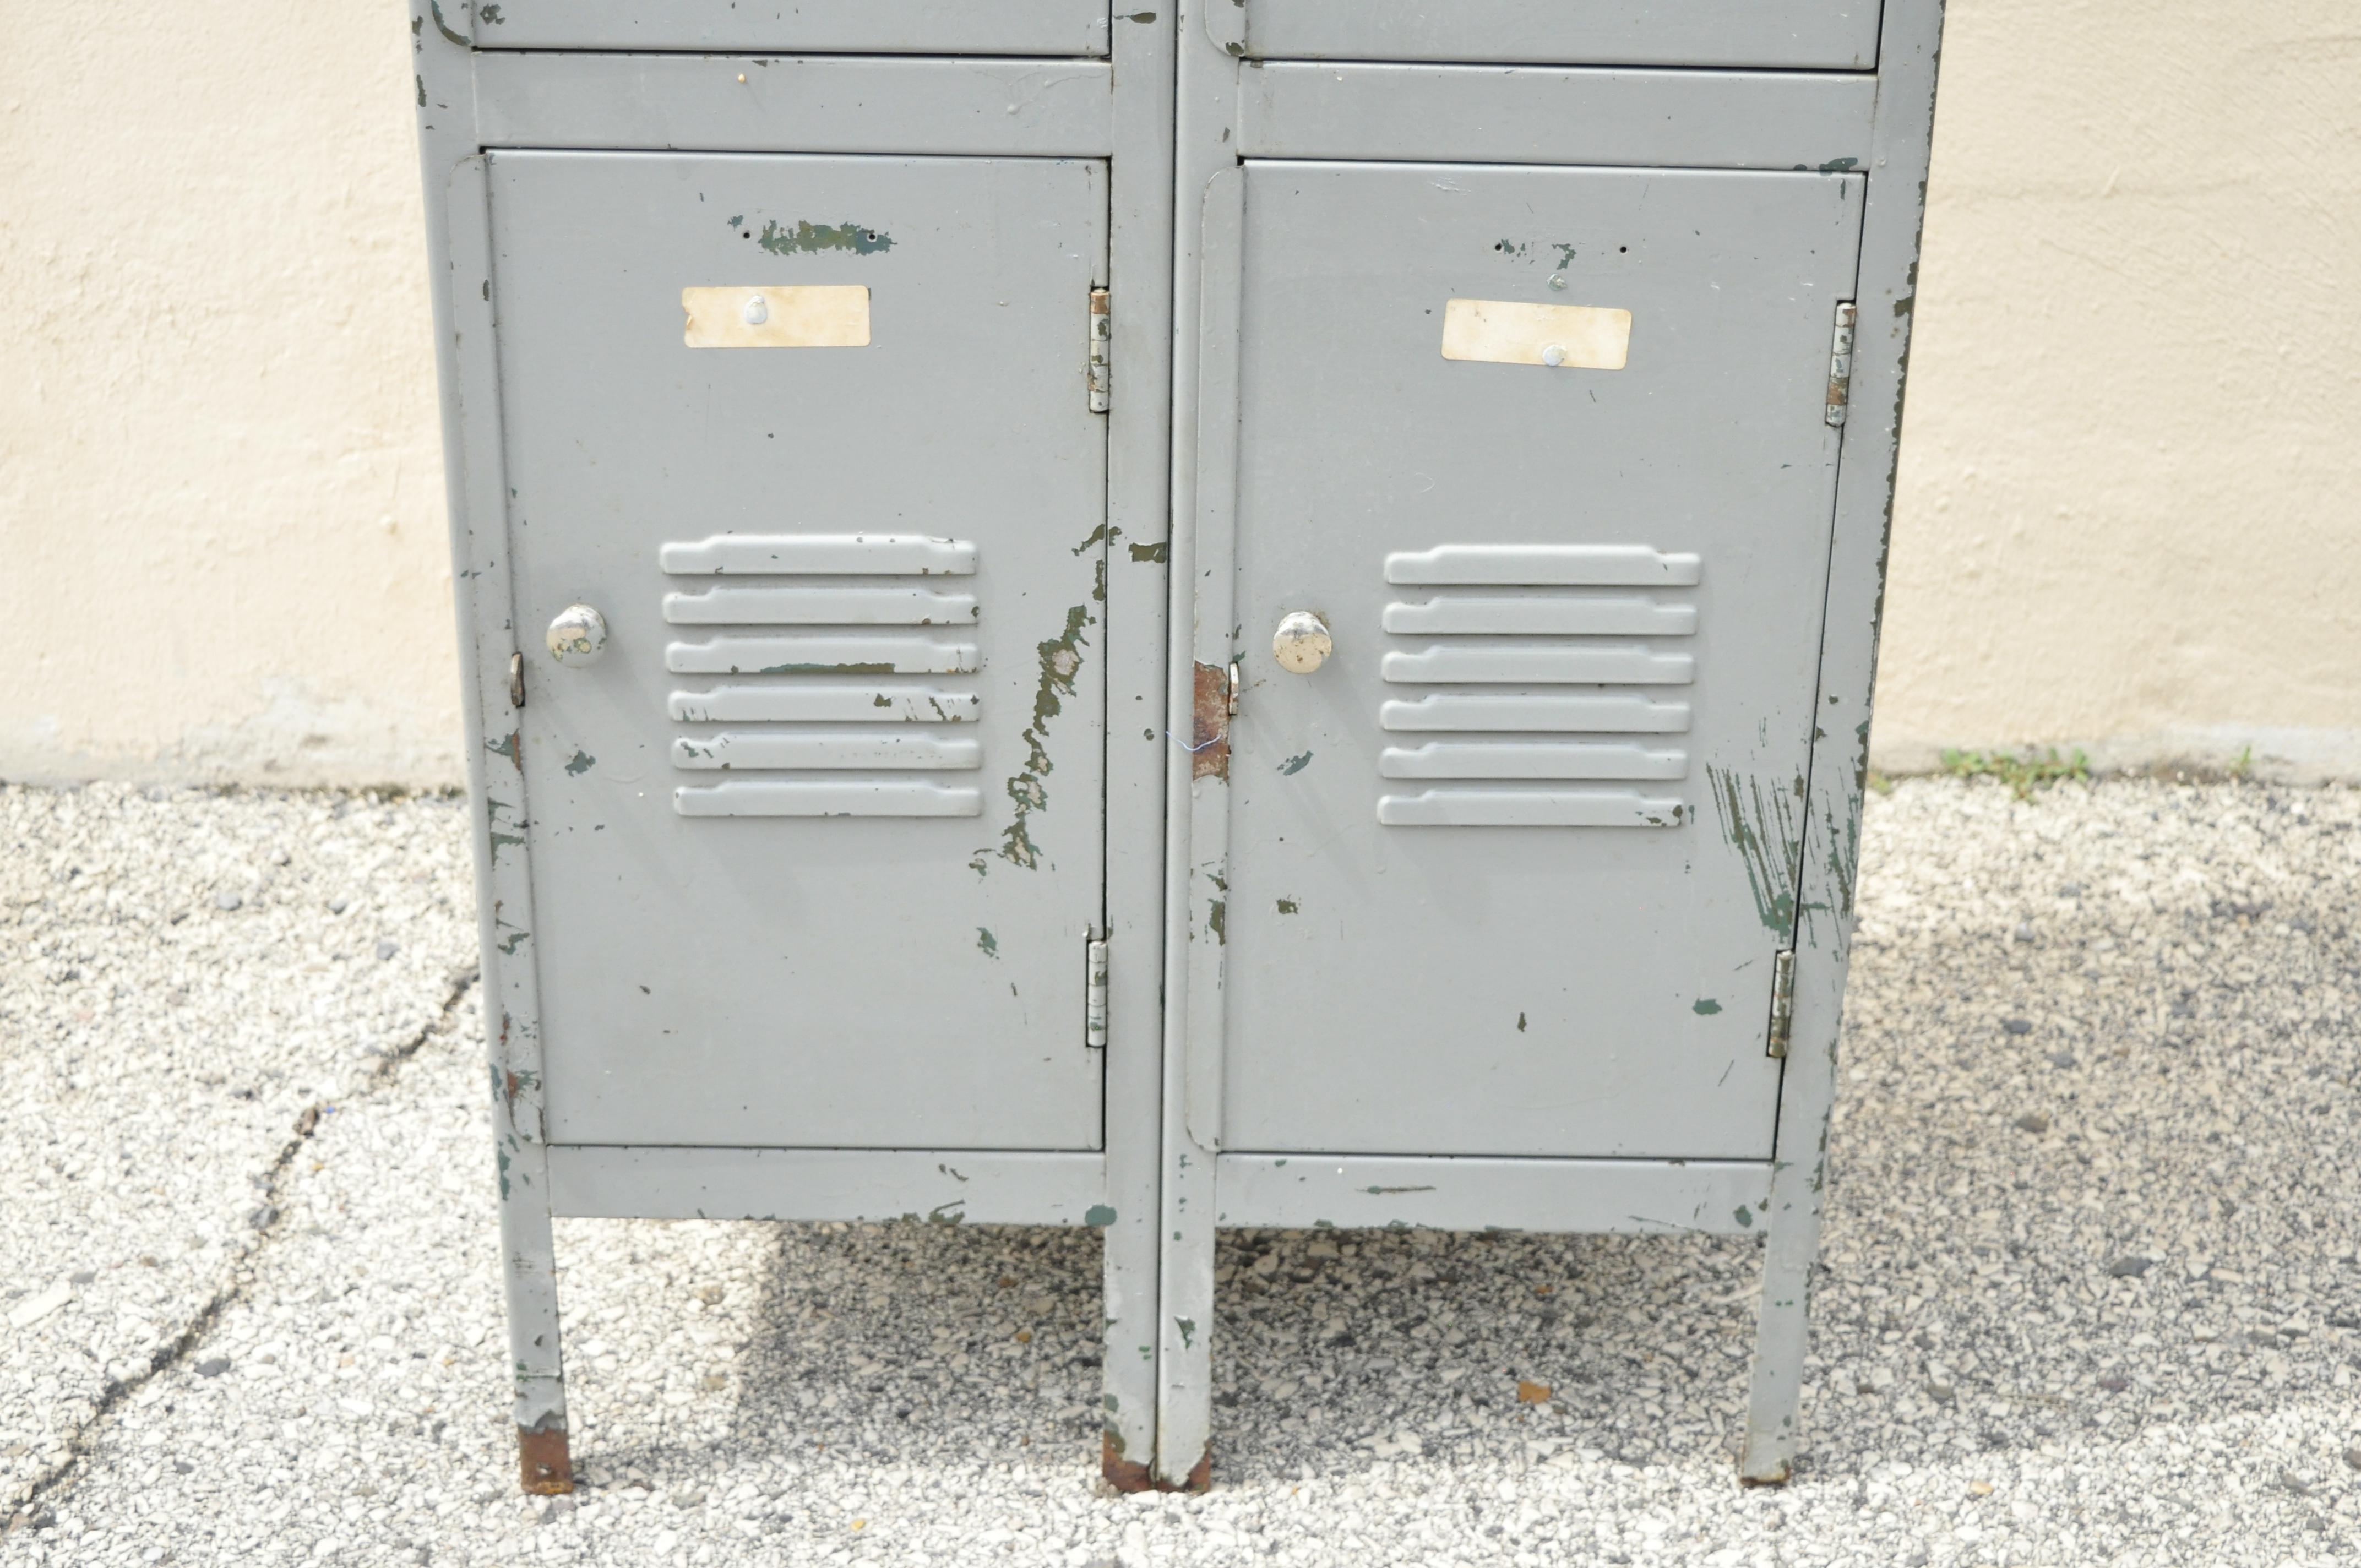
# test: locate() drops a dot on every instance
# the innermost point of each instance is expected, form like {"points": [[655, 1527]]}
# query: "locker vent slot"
{"points": [[830, 730], [1597, 667]]}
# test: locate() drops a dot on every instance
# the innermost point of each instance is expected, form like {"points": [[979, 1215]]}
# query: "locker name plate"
{"points": [[1508, 331], [802, 315]]}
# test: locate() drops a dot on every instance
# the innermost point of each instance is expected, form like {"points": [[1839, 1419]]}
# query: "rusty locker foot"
{"points": [[546, 1465], [1131, 1476]]}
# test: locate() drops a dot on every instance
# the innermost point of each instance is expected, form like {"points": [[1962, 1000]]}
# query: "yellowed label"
{"points": [[1508, 332], [803, 315]]}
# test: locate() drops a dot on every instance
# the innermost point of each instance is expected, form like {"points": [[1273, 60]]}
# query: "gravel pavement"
{"points": [[2090, 1292]]}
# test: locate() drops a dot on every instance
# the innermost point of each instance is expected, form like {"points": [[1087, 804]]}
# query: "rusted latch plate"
{"points": [[1209, 738]]}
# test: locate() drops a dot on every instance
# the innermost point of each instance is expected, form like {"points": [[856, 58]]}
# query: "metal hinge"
{"points": [[1783, 1003], [1101, 374], [1094, 1005], [1840, 363], [516, 680]]}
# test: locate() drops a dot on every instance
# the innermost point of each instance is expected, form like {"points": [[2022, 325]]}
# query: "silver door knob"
{"points": [[578, 636], [1301, 644]]}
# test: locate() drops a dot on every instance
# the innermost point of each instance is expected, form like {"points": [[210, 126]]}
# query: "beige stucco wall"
{"points": [[222, 545], [2130, 511], [2130, 502]]}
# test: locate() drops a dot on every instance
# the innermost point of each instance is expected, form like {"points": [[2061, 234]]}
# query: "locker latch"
{"points": [[1233, 689], [1102, 373], [1094, 1003], [1840, 363], [1782, 1004]]}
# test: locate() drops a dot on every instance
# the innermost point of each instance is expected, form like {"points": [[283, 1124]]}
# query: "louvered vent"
{"points": [[829, 663], [1538, 669]]}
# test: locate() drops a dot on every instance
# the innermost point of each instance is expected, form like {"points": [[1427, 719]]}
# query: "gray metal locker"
{"points": [[1259, 616]]}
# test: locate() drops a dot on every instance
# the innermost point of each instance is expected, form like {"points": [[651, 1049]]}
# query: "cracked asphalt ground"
{"points": [[2090, 1291]]}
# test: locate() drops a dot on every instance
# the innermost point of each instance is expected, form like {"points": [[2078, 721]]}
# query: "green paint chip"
{"points": [[1099, 1215], [1706, 1007]]}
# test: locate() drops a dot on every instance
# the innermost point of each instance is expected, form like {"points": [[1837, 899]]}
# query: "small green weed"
{"points": [[1879, 784], [2022, 774]]}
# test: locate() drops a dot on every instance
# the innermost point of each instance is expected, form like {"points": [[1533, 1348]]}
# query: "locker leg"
{"points": [[1773, 1409], [1129, 1342], [528, 1268], [1184, 1359], [1128, 1441]]}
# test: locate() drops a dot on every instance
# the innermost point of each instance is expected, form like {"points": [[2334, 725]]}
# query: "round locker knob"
{"points": [[578, 636], [1301, 644]]}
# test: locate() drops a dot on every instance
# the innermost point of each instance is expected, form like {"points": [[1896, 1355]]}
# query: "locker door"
{"points": [[1837, 35], [1544, 451], [807, 27], [816, 837]]}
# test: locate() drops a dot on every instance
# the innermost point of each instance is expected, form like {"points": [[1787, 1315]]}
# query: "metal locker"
{"points": [[1534, 427], [1259, 614]]}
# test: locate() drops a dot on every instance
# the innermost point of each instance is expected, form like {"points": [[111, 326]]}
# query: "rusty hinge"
{"points": [[516, 680], [1094, 1003], [1840, 363], [1101, 374], [1783, 1003]]}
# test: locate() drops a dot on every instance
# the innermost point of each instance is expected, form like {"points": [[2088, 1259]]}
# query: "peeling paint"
{"points": [[1099, 1216], [1217, 921], [580, 762], [809, 238], [1296, 763], [1764, 827], [986, 943], [1706, 1007], [1521, 1022], [1288, 906], [435, 9], [1188, 1327], [1381, 1191], [1159, 552], [1061, 659], [1744, 1216]]}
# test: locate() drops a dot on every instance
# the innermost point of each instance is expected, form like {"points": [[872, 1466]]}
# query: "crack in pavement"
{"points": [[29, 1513]]}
